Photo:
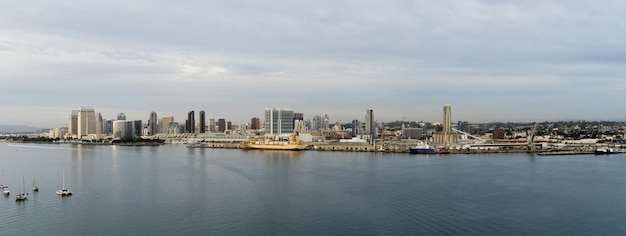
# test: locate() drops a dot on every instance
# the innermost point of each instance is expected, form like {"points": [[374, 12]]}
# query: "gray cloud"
{"points": [[530, 59]]}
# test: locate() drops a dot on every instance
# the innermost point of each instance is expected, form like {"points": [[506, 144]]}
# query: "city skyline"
{"points": [[492, 61]]}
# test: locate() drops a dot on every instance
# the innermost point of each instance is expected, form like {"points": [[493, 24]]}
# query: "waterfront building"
{"points": [[172, 128], [212, 125], [107, 126], [278, 121], [190, 124], [121, 116], [137, 128], [202, 122], [229, 125], [72, 124], [152, 124], [86, 122], [123, 130]]}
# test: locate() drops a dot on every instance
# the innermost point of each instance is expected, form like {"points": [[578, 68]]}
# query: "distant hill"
{"points": [[18, 129]]}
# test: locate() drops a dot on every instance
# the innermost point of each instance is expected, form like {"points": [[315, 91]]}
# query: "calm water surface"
{"points": [[174, 190]]}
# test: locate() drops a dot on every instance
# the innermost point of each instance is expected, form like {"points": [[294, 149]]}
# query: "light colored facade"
{"points": [[278, 121], [447, 119], [72, 124], [165, 124], [370, 126], [87, 122]]}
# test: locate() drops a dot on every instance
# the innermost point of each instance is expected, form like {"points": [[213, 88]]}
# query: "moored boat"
{"points": [[605, 150], [64, 191], [293, 142], [423, 148]]}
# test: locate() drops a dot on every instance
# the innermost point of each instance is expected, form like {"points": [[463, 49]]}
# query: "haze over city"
{"points": [[491, 60]]}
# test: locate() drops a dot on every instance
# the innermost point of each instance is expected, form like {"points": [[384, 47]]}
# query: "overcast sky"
{"points": [[491, 60]]}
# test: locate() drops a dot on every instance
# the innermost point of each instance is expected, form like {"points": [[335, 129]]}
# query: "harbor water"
{"points": [[174, 190]]}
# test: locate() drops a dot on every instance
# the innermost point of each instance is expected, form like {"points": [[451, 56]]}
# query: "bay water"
{"points": [[175, 190]]}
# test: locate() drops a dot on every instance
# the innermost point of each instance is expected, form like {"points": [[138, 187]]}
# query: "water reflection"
{"points": [[275, 153]]}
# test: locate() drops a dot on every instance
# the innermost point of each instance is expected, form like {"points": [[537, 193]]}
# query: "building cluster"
{"points": [[87, 124]]}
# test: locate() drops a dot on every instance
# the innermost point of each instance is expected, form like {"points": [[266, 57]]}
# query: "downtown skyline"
{"points": [[492, 61]]}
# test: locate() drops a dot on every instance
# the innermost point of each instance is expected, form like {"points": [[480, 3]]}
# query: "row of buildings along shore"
{"points": [[85, 125]]}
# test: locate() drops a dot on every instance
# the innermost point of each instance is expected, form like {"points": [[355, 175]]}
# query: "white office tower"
{"points": [[278, 121]]}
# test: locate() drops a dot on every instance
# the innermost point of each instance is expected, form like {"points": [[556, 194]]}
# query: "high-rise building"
{"points": [[190, 124], [72, 124], [370, 126], [356, 127], [229, 125], [121, 116], [99, 123], [137, 128], [152, 124], [297, 116], [123, 130], [316, 123], [107, 126], [202, 124], [325, 122], [221, 125], [278, 121], [255, 123], [165, 124], [212, 125], [86, 121], [447, 115]]}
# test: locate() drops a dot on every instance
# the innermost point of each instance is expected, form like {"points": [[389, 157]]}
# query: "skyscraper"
{"points": [[447, 115], [221, 125], [121, 116], [278, 120], [212, 125], [72, 124], [202, 124], [370, 126], [152, 124], [165, 124], [86, 121], [190, 124]]}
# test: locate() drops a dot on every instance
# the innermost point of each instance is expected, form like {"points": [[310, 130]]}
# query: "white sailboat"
{"points": [[5, 189], [35, 188], [21, 196], [64, 191]]}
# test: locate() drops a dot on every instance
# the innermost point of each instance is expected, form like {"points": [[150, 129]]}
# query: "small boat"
{"points": [[423, 148], [21, 196], [35, 188], [64, 191], [605, 150], [5, 189]]}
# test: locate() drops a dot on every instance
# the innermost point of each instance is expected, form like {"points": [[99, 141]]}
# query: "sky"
{"points": [[490, 60]]}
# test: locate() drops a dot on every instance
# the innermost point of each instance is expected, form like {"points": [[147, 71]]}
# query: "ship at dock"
{"points": [[292, 142], [423, 148]]}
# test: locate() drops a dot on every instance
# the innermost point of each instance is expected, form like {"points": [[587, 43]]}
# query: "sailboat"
{"points": [[64, 191], [21, 196], [5, 189], [35, 188]]}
